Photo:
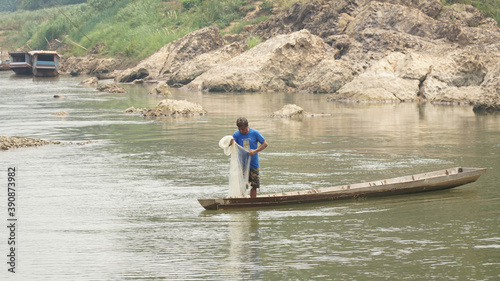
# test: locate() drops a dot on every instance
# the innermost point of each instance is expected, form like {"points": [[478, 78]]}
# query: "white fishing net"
{"points": [[239, 169]]}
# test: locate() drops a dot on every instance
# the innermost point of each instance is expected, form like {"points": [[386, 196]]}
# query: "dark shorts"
{"points": [[254, 178]]}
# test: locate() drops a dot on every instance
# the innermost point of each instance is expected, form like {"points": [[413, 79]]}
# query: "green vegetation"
{"points": [[135, 28], [240, 25], [13, 5], [253, 41]]}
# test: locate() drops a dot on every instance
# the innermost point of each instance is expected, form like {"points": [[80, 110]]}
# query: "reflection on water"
{"points": [[125, 206], [244, 261]]}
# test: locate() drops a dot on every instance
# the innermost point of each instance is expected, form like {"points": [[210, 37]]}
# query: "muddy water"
{"points": [[125, 207]]}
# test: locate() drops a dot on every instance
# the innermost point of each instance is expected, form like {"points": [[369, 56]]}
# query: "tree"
{"points": [[9, 5], [33, 4], [40, 4]]}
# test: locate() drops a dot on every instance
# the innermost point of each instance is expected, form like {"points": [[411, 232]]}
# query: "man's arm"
{"points": [[261, 147]]}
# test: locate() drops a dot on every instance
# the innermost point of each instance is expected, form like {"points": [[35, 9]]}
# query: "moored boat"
{"points": [[21, 62], [437, 180], [45, 63]]}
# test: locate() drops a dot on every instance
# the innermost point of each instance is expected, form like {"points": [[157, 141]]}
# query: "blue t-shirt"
{"points": [[250, 141]]}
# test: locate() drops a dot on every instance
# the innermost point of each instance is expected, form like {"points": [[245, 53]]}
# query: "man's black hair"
{"points": [[242, 122]]}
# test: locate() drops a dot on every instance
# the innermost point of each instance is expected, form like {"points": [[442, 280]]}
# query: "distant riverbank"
{"points": [[360, 51]]}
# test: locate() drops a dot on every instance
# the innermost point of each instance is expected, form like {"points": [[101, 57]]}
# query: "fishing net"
{"points": [[239, 169]]}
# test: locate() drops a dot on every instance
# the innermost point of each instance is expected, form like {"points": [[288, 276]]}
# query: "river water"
{"points": [[124, 207]]}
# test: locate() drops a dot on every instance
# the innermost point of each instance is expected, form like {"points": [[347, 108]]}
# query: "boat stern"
{"points": [[209, 204]]}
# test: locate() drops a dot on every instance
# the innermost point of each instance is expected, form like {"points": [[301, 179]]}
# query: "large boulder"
{"points": [[491, 82], [90, 82], [161, 89], [289, 111], [111, 88], [395, 78], [132, 74], [490, 96], [320, 19], [455, 77], [406, 20], [397, 18], [328, 76], [90, 64], [170, 108], [172, 56], [189, 70], [449, 76], [283, 63]]}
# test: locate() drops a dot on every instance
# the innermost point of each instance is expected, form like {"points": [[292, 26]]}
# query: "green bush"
{"points": [[188, 4], [253, 41], [240, 26], [267, 5]]}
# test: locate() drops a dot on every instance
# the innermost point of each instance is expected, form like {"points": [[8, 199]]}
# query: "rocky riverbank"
{"points": [[170, 108], [7, 142], [294, 111], [353, 50]]}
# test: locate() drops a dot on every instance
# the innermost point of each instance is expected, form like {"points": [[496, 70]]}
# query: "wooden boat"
{"points": [[437, 180], [45, 63], [21, 62]]}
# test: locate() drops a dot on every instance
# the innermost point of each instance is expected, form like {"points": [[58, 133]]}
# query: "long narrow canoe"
{"points": [[437, 180]]}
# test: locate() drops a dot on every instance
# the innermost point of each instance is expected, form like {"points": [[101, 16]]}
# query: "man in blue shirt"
{"points": [[249, 139]]}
